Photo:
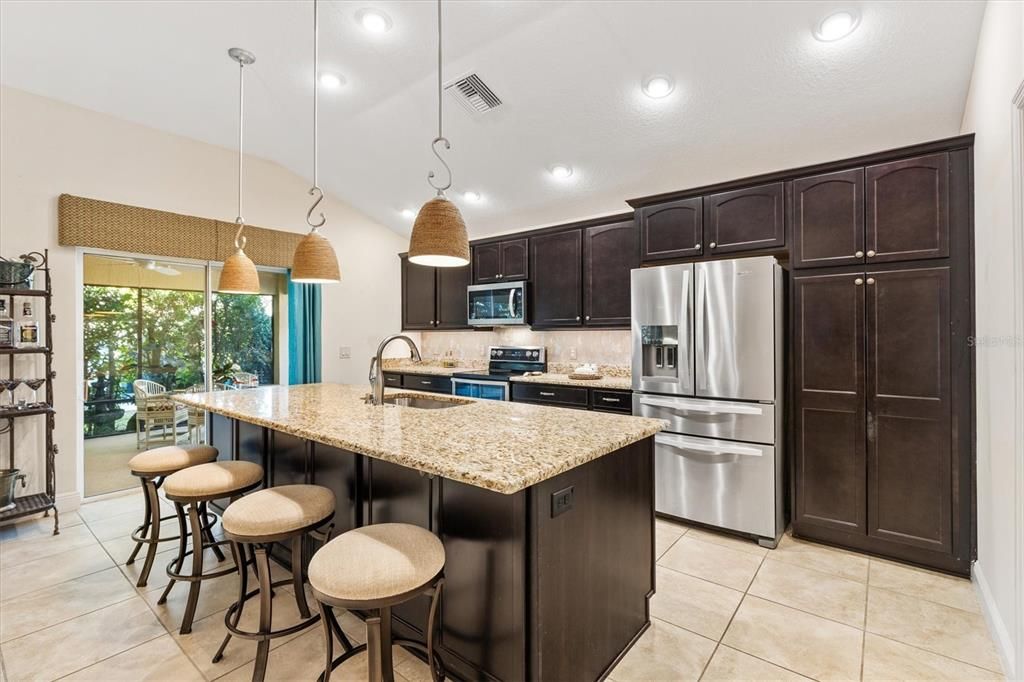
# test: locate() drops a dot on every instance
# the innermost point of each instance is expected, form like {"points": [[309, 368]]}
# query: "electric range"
{"points": [[504, 363]]}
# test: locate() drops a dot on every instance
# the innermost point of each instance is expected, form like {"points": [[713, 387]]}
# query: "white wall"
{"points": [[48, 148], [998, 71]]}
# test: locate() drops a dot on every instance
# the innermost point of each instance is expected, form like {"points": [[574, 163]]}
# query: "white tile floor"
{"points": [[725, 609]]}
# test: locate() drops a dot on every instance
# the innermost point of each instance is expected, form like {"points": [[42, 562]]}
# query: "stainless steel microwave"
{"points": [[496, 305]]}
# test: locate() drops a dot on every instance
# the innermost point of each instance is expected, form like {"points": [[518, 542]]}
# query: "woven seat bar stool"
{"points": [[152, 467], [284, 514], [373, 569], [192, 488]]}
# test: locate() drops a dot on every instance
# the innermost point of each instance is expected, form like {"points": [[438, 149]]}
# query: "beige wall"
{"points": [[609, 347], [998, 72], [48, 147]]}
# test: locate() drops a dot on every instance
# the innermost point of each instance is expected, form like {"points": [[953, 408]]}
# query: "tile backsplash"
{"points": [[601, 347]]}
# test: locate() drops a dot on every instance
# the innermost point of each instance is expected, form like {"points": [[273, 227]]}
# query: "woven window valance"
{"points": [[118, 227]]}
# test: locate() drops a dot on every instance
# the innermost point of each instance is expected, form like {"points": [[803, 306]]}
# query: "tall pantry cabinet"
{"points": [[881, 360]]}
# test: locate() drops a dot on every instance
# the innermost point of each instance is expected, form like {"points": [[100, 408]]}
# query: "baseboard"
{"points": [[68, 502], [996, 626]]}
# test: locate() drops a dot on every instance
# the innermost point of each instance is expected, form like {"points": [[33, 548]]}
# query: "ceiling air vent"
{"points": [[473, 94]]}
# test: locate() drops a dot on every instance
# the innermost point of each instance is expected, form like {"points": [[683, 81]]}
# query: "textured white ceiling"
{"points": [[754, 91]]}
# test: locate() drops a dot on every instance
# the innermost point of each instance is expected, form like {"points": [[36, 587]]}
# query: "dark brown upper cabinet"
{"points": [[433, 298], [830, 471], [501, 261], [609, 254], [827, 215], [907, 216], [909, 407], [671, 230], [745, 219], [556, 261]]}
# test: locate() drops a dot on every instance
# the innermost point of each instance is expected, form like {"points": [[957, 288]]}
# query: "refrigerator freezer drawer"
{"points": [[753, 422], [718, 483]]}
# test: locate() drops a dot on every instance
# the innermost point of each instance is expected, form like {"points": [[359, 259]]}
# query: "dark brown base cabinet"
{"points": [[528, 595]]}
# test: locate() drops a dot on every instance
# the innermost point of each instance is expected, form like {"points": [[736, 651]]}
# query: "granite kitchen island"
{"points": [[546, 514]]}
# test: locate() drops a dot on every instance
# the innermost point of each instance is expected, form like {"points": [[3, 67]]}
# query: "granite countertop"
{"points": [[500, 446], [617, 383], [437, 370]]}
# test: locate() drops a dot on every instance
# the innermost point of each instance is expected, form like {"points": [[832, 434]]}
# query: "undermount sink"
{"points": [[422, 402]]}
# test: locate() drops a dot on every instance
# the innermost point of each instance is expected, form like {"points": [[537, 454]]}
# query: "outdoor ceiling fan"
{"points": [[147, 264]]}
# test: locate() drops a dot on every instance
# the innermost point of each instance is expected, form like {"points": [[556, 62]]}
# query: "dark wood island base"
{"points": [[549, 583]]}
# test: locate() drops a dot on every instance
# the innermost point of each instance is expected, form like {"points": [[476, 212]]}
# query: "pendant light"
{"points": [[314, 261], [439, 233], [238, 275]]}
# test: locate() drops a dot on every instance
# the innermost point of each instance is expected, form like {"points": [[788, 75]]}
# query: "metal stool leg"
{"points": [[326, 616], [197, 568], [238, 554], [298, 574], [208, 531], [182, 548], [435, 674], [266, 613], [386, 663], [145, 525], [153, 507], [373, 648]]}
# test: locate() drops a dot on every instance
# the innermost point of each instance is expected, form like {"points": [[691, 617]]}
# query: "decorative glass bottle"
{"points": [[27, 328], [6, 326]]}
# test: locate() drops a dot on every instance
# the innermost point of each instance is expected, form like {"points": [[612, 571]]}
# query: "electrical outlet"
{"points": [[572, 353], [344, 352], [561, 501]]}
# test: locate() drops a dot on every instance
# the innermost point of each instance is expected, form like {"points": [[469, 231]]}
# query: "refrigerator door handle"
{"points": [[700, 329], [686, 406], [689, 445]]}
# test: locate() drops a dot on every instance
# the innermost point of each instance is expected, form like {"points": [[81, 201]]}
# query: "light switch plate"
{"points": [[344, 352]]}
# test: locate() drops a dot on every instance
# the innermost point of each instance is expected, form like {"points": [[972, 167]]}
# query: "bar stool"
{"points": [[284, 514], [151, 467], [194, 487], [374, 568]]}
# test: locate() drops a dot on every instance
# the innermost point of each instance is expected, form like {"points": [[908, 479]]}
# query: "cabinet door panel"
{"points": [[829, 419], [671, 230], [486, 263], [827, 214], [418, 296], [609, 254], [745, 219], [451, 297], [909, 408], [556, 262], [908, 209], [515, 259]]}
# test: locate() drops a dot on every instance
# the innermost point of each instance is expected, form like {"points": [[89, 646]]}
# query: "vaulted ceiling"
{"points": [[754, 90]]}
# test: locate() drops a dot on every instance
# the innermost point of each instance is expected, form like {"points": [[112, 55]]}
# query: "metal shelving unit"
{"points": [[10, 417]]}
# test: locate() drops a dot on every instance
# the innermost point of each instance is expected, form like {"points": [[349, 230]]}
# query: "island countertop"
{"points": [[500, 446]]}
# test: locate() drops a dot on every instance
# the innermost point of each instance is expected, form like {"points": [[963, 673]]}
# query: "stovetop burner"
{"points": [[509, 361]]}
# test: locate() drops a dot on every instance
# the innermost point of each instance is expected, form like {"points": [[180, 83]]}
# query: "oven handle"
{"points": [[681, 444], [684, 406]]}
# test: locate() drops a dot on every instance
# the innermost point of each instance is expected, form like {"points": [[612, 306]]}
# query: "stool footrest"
{"points": [[283, 632], [171, 572]]}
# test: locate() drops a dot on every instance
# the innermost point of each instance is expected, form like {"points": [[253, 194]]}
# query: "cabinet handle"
{"points": [[547, 394], [712, 245], [425, 383], [871, 280], [870, 253], [858, 281], [859, 254], [612, 400]]}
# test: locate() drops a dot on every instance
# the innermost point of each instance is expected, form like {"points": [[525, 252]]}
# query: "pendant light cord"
{"points": [[315, 190], [440, 111], [239, 237]]}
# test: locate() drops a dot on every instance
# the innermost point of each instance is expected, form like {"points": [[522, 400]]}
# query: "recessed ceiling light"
{"points": [[408, 213], [837, 25], [472, 197], [561, 172], [331, 80], [373, 20], [657, 87]]}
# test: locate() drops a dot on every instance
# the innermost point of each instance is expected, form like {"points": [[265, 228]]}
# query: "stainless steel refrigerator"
{"points": [[707, 358]]}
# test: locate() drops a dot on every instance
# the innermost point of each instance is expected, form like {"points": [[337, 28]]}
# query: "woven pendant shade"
{"points": [[439, 236], [314, 261], [239, 276]]}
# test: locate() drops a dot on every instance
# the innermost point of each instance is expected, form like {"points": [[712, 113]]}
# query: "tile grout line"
{"points": [[864, 630], [718, 643]]}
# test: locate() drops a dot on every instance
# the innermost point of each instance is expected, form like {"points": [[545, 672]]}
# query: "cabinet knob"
{"points": [[712, 245], [871, 280], [697, 245], [859, 254], [500, 276], [870, 253], [577, 318], [858, 281], [588, 317]]}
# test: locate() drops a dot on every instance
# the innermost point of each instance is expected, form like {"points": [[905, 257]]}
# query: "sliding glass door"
{"points": [[147, 327]]}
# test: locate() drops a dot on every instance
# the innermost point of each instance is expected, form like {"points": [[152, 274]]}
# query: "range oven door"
{"points": [[492, 305], [485, 390], [716, 482]]}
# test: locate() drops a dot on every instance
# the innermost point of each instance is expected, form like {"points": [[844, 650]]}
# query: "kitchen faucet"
{"points": [[376, 378]]}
